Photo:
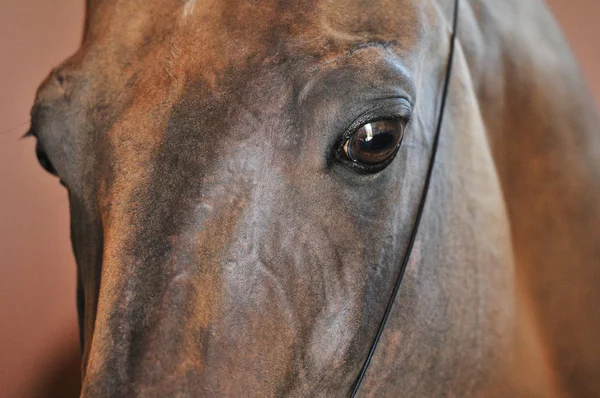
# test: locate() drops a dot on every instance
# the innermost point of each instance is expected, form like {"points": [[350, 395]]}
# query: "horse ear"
{"points": [[544, 130]]}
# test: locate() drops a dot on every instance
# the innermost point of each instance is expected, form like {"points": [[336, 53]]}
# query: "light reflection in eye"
{"points": [[369, 130]]}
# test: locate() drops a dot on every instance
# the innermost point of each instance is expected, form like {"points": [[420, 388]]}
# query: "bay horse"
{"points": [[244, 179]]}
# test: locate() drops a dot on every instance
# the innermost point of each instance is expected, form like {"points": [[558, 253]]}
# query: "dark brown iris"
{"points": [[375, 142]]}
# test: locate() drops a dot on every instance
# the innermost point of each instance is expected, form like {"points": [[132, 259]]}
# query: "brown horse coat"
{"points": [[224, 249]]}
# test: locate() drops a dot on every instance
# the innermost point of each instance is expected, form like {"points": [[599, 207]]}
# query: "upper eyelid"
{"points": [[391, 70], [311, 75], [377, 113]]}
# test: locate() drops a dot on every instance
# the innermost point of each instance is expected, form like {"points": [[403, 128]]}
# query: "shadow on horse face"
{"points": [[224, 243]]}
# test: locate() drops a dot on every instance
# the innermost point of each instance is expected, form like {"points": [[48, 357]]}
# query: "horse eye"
{"points": [[375, 143], [44, 160]]}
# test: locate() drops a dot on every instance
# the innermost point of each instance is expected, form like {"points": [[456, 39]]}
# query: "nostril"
{"points": [[61, 83], [59, 76]]}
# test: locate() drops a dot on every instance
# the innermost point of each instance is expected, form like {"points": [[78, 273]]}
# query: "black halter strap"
{"points": [[415, 229]]}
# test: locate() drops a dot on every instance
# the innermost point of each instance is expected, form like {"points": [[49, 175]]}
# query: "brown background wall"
{"points": [[38, 332]]}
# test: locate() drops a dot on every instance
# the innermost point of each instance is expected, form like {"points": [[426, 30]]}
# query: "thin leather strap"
{"points": [[413, 235]]}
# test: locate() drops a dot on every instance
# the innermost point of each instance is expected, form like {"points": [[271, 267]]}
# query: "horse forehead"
{"points": [[146, 56], [226, 30], [143, 56]]}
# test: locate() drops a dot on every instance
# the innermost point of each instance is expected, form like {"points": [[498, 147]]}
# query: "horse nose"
{"points": [[159, 299], [141, 348], [54, 102]]}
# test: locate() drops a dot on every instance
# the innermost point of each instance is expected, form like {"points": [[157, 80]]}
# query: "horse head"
{"points": [[244, 177]]}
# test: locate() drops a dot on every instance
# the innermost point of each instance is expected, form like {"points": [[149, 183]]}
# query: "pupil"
{"points": [[379, 142]]}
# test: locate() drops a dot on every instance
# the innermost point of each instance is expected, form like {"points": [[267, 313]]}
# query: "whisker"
{"points": [[19, 126]]}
